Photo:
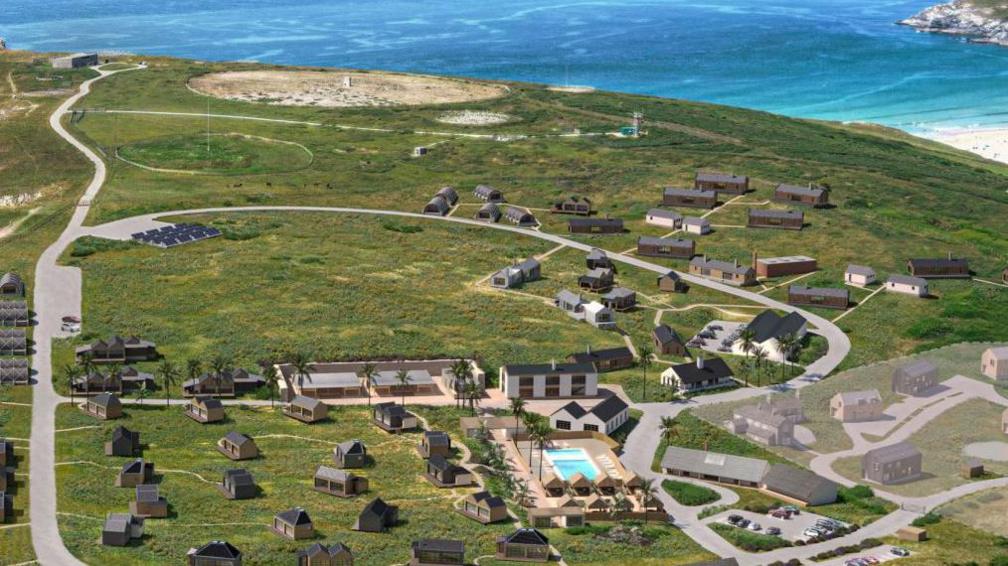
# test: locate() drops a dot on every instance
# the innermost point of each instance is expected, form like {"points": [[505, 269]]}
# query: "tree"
{"points": [[644, 351], [194, 368], [760, 355], [271, 379], [87, 368], [787, 344], [142, 392], [668, 428], [71, 372], [473, 393], [463, 377], [521, 492], [541, 432], [301, 364], [218, 365], [114, 372], [402, 378], [748, 339], [517, 405], [168, 372], [530, 419], [648, 491], [369, 373]]}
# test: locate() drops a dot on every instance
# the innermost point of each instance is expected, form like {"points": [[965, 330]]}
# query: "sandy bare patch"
{"points": [[573, 89], [474, 118], [341, 89]]}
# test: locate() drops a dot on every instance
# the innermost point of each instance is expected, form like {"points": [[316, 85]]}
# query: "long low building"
{"points": [[785, 265], [780, 219], [691, 198], [549, 381], [336, 380], [825, 297], [679, 248], [798, 485], [713, 466], [725, 272]]}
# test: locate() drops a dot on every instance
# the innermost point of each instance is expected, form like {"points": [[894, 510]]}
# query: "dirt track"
{"points": [[329, 89]]}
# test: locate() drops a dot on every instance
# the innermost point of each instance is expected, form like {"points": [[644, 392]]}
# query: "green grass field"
{"points": [[688, 493], [15, 426], [218, 154]]}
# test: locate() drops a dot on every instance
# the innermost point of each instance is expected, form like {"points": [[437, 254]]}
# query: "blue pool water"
{"points": [[832, 59], [569, 461]]}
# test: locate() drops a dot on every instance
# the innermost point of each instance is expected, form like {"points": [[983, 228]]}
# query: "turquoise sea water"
{"points": [[832, 59]]}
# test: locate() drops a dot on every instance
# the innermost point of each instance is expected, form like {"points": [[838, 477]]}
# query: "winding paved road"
{"points": [[57, 293]]}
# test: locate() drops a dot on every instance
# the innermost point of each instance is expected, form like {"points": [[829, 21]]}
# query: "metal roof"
{"points": [[715, 464]]}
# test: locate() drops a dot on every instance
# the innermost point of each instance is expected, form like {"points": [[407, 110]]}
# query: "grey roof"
{"points": [[907, 280], [120, 522], [819, 291], [11, 278], [295, 516], [105, 400], [438, 202], [672, 191], [918, 367], [490, 208], [609, 408], [415, 376], [518, 214], [208, 402], [526, 536], [437, 438], [795, 482], [712, 177], [999, 352], [666, 334], [726, 266], [218, 549], [147, 493], [486, 497], [323, 379], [439, 545], [539, 369], [133, 466], [529, 264], [619, 293], [237, 438], [860, 397], [595, 222], [596, 254], [449, 193], [321, 549], [239, 476], [801, 190], [485, 191], [715, 464], [573, 409], [714, 368], [892, 453], [694, 221], [599, 273], [769, 324], [755, 413], [565, 296], [591, 355], [663, 213], [352, 447], [309, 403], [673, 242], [860, 270], [932, 263], [770, 213]]}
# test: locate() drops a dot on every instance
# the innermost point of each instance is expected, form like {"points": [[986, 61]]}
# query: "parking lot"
{"points": [[711, 337], [791, 529], [865, 558]]}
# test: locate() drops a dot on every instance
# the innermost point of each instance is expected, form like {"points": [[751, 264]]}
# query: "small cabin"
{"points": [[104, 406], [778, 219], [203, 409], [293, 524], [149, 503], [339, 482], [238, 484], [124, 442], [306, 409], [237, 446], [134, 473], [435, 443], [350, 454]]}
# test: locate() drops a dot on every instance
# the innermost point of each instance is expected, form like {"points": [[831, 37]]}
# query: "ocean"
{"points": [[830, 59]]}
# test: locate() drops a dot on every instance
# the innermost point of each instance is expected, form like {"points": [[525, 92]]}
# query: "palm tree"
{"points": [[271, 379], [402, 378], [517, 405], [668, 429], [648, 491], [644, 352], [218, 365], [787, 344], [463, 376], [142, 392], [114, 371], [760, 355], [194, 368], [301, 363], [169, 374], [71, 372], [87, 368], [541, 434], [748, 339], [521, 492], [473, 392], [369, 372], [530, 419]]}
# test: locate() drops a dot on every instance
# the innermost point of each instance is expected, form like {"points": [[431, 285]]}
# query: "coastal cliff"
{"points": [[962, 17]]}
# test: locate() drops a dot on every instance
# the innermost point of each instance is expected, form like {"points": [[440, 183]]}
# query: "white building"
{"points": [[604, 417], [859, 275], [908, 285], [661, 217], [548, 381], [768, 328], [696, 225], [698, 376], [599, 315]]}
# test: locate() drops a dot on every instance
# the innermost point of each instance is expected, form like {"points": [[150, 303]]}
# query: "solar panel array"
{"points": [[176, 234]]}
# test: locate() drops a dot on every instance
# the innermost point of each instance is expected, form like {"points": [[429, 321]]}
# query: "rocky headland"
{"points": [[979, 24]]}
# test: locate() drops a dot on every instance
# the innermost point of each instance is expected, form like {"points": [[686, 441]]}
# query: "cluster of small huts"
{"points": [[8, 464], [14, 315]]}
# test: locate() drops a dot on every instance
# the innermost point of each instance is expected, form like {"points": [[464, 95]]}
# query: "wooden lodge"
{"points": [[118, 350], [238, 484], [134, 473], [435, 443], [149, 502], [293, 524], [690, 198], [524, 545], [824, 297], [667, 341], [608, 359], [595, 225], [784, 265], [725, 183], [805, 196], [237, 446], [671, 283], [124, 442], [318, 554], [350, 454], [947, 268], [442, 473], [204, 409], [573, 204], [723, 271], [778, 219], [376, 517], [339, 482], [675, 248], [393, 418], [104, 406], [437, 552], [306, 409], [484, 508], [620, 299]]}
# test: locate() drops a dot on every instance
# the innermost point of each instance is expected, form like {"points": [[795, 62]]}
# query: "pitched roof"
{"points": [[609, 408], [207, 401], [487, 499], [599, 273], [769, 324], [414, 377], [239, 476], [917, 368], [596, 254], [105, 400], [437, 438], [592, 355], [713, 368], [771, 213], [352, 447], [218, 549], [714, 464], [526, 536], [663, 213], [863, 270], [755, 413], [892, 453], [378, 507], [671, 242], [726, 266], [713, 177], [295, 516], [795, 482], [859, 397], [694, 221], [619, 293], [935, 263], [236, 438], [696, 193], [439, 545], [309, 403], [833, 292], [801, 190], [999, 352], [332, 474], [907, 280], [565, 296], [120, 522], [665, 334], [595, 222]]}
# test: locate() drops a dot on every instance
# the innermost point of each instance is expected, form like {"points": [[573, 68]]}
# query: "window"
{"points": [[591, 427], [526, 381], [563, 425], [552, 380]]}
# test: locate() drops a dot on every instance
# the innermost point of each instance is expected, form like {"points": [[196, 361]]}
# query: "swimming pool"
{"points": [[569, 461]]}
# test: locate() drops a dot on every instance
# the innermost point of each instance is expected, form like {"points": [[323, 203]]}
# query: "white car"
{"points": [[755, 527]]}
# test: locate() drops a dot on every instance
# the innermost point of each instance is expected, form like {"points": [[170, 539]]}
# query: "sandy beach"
{"points": [[991, 143]]}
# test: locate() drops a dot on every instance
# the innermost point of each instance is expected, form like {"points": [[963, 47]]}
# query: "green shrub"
{"points": [[925, 520], [689, 494]]}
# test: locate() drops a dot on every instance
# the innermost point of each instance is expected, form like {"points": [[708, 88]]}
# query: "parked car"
{"points": [[734, 519], [755, 527], [792, 509], [773, 531], [899, 551], [811, 533], [743, 523]]}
